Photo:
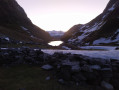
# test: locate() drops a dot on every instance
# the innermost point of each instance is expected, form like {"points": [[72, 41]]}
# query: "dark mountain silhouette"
{"points": [[15, 24], [103, 30]]}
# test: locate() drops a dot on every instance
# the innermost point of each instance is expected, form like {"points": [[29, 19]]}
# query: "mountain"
{"points": [[15, 25], [56, 34], [103, 30]]}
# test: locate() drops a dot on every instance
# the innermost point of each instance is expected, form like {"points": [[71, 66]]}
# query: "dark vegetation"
{"points": [[26, 77]]}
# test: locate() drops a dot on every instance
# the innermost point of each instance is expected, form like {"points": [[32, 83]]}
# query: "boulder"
{"points": [[107, 86], [47, 67], [48, 78], [64, 72], [95, 67], [117, 48], [78, 77], [86, 68]]}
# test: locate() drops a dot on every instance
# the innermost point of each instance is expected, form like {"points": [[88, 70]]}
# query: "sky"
{"points": [[62, 14]]}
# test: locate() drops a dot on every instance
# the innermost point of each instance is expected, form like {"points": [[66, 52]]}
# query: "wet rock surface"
{"points": [[67, 68]]}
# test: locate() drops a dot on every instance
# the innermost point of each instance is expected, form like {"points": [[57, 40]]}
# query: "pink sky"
{"points": [[62, 14]]}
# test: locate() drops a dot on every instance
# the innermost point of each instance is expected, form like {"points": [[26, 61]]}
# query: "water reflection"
{"points": [[55, 43]]}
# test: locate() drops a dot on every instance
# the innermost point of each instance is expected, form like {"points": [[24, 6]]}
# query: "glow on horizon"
{"points": [[62, 14]]}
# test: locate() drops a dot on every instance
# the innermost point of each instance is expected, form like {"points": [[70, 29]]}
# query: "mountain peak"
{"points": [[15, 24], [12, 13], [104, 29]]}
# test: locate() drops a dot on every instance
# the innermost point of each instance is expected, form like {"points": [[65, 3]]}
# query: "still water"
{"points": [[55, 43]]}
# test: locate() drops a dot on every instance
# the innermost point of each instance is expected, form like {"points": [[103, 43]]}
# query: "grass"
{"points": [[30, 78]]}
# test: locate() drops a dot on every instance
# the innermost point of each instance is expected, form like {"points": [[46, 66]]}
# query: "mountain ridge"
{"points": [[15, 24], [101, 30]]}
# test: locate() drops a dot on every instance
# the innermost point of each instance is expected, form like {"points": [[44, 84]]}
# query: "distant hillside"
{"points": [[14, 24], [56, 34], [103, 30]]}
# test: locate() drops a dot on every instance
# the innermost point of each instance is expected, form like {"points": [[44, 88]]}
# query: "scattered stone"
{"points": [[47, 67], [107, 86], [76, 68], [95, 67], [65, 72], [106, 69], [86, 68], [117, 48], [61, 81], [78, 77], [77, 84], [47, 78]]}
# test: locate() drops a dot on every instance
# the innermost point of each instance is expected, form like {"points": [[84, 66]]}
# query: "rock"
{"points": [[74, 64], [98, 61], [91, 77], [47, 67], [47, 78], [106, 69], [38, 52], [65, 72], [77, 84], [117, 62], [76, 68], [106, 73], [117, 48], [82, 63], [86, 68], [78, 77], [106, 66], [95, 67], [107, 85], [61, 81]]}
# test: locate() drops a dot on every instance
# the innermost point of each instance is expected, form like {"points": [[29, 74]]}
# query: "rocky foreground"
{"points": [[68, 69]]}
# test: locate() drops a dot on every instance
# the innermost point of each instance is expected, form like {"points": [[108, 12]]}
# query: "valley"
{"points": [[86, 57]]}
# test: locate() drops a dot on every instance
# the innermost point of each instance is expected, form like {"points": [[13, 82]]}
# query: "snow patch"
{"points": [[3, 48], [24, 28], [107, 40], [105, 15], [7, 39], [67, 48], [101, 40], [99, 47], [71, 40], [112, 8], [87, 43], [86, 32]]}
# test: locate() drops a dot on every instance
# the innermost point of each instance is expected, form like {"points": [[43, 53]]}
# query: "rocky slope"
{"points": [[103, 30], [15, 25]]}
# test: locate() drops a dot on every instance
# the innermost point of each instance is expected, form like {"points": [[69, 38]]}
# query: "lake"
{"points": [[107, 54], [55, 43]]}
